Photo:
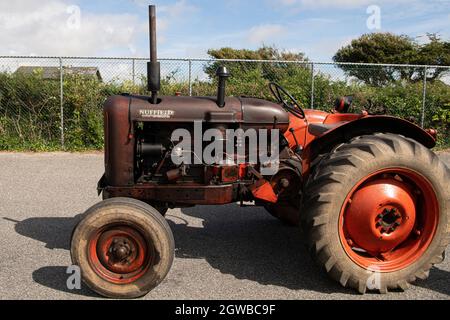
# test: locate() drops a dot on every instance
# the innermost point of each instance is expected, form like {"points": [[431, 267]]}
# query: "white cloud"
{"points": [[344, 4], [322, 3], [179, 9], [265, 32], [170, 14], [42, 28]]}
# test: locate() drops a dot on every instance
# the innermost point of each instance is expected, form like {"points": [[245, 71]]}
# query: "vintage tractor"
{"points": [[371, 197]]}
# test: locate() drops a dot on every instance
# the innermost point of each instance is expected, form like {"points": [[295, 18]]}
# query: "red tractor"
{"points": [[371, 197]]}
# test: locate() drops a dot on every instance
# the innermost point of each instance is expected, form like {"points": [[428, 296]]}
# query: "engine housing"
{"points": [[138, 145]]}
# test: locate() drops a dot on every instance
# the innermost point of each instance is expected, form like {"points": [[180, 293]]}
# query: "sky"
{"points": [[188, 28]]}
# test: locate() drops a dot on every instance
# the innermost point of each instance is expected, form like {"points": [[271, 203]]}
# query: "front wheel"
{"points": [[123, 247], [377, 212]]}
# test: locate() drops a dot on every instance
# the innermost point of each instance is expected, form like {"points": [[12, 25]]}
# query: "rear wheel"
{"points": [[377, 212], [124, 248]]}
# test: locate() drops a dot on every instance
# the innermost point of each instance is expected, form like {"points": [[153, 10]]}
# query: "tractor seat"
{"points": [[318, 129]]}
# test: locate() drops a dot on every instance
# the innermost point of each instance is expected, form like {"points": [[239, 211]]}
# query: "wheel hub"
{"points": [[388, 221], [121, 250], [380, 216]]}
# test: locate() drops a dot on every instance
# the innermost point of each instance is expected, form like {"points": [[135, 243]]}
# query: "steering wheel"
{"points": [[291, 105]]}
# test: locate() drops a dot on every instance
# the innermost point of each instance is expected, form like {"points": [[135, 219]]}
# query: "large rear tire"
{"points": [[123, 247], [376, 212]]}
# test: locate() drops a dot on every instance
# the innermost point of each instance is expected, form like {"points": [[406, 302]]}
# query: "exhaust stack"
{"points": [[153, 67], [223, 74]]}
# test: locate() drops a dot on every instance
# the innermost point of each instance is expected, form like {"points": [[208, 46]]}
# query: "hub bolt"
{"points": [[121, 252], [284, 183]]}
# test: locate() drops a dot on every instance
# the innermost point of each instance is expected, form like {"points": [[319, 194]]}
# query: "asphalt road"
{"points": [[222, 252]]}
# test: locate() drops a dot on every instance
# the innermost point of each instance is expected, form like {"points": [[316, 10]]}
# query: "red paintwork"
{"points": [[432, 132], [412, 196], [103, 263], [242, 171], [304, 137], [265, 192], [300, 126], [364, 223]]}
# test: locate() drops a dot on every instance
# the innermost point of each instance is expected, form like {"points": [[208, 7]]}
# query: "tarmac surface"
{"points": [[222, 252]]}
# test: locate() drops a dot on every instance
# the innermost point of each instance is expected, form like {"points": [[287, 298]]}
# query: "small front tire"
{"points": [[124, 248]]}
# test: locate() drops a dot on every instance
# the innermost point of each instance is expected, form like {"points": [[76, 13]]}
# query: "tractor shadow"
{"points": [[244, 242], [56, 278], [438, 281], [55, 233], [249, 244]]}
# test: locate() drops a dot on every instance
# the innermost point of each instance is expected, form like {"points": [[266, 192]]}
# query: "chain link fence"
{"points": [[51, 103]]}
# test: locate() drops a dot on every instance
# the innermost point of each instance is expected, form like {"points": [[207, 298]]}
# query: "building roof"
{"points": [[53, 73]]}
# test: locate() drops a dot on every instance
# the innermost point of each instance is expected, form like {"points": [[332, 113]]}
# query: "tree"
{"points": [[385, 48], [269, 71], [388, 48], [437, 53], [263, 53]]}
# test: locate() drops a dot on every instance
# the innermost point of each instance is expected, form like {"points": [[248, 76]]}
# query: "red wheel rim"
{"points": [[389, 219], [120, 253]]}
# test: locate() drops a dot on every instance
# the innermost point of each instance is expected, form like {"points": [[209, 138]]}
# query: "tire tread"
{"points": [[326, 179]]}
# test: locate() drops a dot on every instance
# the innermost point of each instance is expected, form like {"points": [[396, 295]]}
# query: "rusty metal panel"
{"points": [[119, 143], [195, 195], [183, 109]]}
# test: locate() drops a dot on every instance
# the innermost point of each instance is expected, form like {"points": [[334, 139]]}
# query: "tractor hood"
{"points": [[246, 112]]}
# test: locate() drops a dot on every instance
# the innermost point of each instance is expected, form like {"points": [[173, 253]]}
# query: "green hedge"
{"points": [[30, 105]]}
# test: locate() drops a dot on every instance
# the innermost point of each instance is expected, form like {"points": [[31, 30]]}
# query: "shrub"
{"points": [[30, 105]]}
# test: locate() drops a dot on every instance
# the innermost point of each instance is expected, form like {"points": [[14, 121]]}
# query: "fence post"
{"points": [[424, 98], [190, 77], [312, 85], [134, 71], [61, 94]]}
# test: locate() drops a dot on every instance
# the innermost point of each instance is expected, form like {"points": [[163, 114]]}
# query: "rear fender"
{"points": [[365, 126]]}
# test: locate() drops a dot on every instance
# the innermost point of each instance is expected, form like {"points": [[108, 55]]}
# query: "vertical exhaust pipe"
{"points": [[153, 67], [223, 74]]}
